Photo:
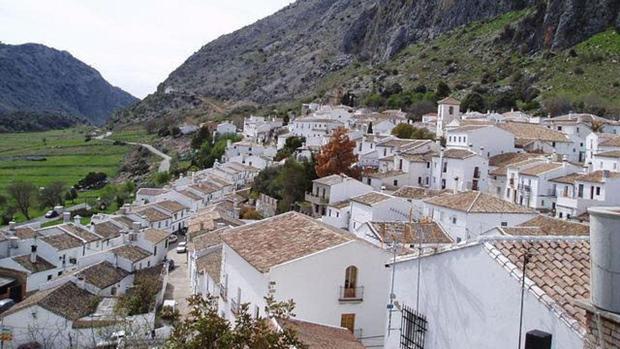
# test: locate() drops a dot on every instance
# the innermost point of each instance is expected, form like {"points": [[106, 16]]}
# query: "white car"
{"points": [[182, 247], [172, 239]]}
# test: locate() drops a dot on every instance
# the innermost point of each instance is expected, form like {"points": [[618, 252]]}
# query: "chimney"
{"points": [[125, 209], [77, 220], [33, 254], [66, 217], [482, 151], [80, 282], [136, 226], [604, 259], [115, 263], [228, 143], [12, 226]]}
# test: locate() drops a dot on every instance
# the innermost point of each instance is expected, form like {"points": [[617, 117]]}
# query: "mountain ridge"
{"points": [[35, 78], [288, 55]]}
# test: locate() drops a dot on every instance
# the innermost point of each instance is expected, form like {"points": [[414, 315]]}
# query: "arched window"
{"points": [[350, 281]]}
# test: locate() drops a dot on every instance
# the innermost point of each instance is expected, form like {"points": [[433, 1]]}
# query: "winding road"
{"points": [[164, 166]]}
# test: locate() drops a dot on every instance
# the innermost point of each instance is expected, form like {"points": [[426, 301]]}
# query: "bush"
{"points": [[93, 180]]}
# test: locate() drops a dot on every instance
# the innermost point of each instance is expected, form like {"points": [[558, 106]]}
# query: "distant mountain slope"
{"points": [[294, 53], [39, 79]]}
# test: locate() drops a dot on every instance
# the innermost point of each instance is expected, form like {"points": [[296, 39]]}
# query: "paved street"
{"points": [[178, 287]]}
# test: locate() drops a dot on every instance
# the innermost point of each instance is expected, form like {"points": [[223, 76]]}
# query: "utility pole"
{"points": [[526, 259]]}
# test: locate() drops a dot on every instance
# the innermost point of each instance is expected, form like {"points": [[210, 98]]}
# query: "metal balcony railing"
{"points": [[234, 306], [351, 294], [224, 292]]}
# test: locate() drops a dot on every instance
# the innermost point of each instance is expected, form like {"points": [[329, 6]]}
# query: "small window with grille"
{"points": [[413, 329]]}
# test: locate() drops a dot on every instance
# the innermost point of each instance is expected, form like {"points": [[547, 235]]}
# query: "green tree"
{"points": [[52, 194], [443, 90], [205, 329], [24, 195], [203, 135], [290, 145], [407, 131], [473, 101], [374, 100]]}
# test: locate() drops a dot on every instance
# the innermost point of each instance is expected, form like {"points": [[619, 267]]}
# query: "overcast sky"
{"points": [[134, 44]]}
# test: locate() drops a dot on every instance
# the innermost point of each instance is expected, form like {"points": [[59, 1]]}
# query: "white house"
{"points": [[333, 189], [468, 295], [606, 161], [226, 127], [333, 277], [407, 235], [532, 185], [599, 143], [577, 192], [459, 170], [466, 215], [376, 206], [488, 140], [537, 138]]}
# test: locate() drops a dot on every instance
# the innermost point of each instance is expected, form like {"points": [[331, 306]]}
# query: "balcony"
{"points": [[224, 292], [351, 294], [316, 199], [235, 308]]}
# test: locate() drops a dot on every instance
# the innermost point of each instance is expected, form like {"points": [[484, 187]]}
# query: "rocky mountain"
{"points": [[294, 53], [39, 79]]}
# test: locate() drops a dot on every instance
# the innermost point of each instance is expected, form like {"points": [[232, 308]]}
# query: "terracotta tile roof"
{"points": [[205, 188], [559, 268], [331, 180], [502, 171], [171, 206], [382, 175], [282, 238], [598, 176], [371, 198], [108, 230], [539, 169], [155, 235], [609, 154], [568, 179], [531, 132], [25, 232], [152, 214], [468, 128], [340, 204], [554, 226], [151, 191], [410, 233], [418, 157], [396, 142], [124, 220], [190, 195], [102, 275], [80, 232], [510, 158], [211, 263], [67, 300], [210, 218], [40, 265], [477, 202], [454, 153], [62, 241], [317, 336], [449, 100], [417, 193], [207, 239], [609, 140], [131, 253]]}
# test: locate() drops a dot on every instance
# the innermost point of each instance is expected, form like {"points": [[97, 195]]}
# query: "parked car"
{"points": [[172, 239], [6, 304], [182, 247], [51, 214]]}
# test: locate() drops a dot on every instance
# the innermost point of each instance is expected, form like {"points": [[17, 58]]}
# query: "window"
{"points": [[60, 273], [256, 311], [395, 182], [580, 191], [451, 110], [400, 164], [413, 329], [348, 321], [453, 220], [49, 277], [504, 224], [350, 281], [154, 250]]}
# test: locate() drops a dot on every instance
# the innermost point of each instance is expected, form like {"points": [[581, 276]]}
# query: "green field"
{"points": [[59, 155]]}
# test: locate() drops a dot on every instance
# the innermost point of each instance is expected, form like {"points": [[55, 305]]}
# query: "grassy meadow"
{"points": [[58, 155]]}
